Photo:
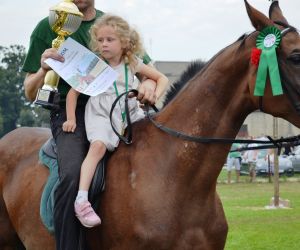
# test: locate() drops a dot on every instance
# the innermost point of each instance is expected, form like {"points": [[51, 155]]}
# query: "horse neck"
{"points": [[213, 104]]}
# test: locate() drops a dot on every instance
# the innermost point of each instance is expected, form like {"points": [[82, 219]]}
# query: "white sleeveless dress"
{"points": [[97, 121]]}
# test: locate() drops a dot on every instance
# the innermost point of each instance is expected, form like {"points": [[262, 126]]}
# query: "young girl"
{"points": [[118, 45]]}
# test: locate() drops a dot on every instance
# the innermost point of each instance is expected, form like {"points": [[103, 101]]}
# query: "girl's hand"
{"points": [[147, 92], [50, 53], [69, 126]]}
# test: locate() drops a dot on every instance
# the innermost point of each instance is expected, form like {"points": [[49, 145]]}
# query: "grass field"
{"points": [[251, 225]]}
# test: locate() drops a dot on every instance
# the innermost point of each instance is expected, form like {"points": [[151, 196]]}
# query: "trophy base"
{"points": [[48, 99]]}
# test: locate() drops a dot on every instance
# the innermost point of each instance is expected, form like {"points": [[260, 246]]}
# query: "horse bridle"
{"points": [[127, 139], [286, 30]]}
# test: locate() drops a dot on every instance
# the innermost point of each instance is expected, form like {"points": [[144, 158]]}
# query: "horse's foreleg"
{"points": [[22, 195], [8, 236], [218, 226]]}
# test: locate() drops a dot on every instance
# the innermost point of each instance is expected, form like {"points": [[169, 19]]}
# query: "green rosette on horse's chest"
{"points": [[268, 40]]}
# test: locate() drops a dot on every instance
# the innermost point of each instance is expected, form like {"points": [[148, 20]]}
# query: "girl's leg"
{"points": [[95, 154], [84, 212]]}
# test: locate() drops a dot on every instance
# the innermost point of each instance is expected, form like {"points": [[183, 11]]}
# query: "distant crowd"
{"points": [[236, 158]]}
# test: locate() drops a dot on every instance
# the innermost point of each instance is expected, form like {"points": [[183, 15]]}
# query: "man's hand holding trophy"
{"points": [[64, 19]]}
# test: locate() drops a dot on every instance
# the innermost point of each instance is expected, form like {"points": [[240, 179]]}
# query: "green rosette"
{"points": [[268, 40]]}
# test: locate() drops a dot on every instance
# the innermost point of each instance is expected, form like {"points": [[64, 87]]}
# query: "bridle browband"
{"points": [[127, 139], [287, 29]]}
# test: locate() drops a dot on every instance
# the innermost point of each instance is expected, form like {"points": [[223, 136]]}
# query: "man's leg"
{"points": [[229, 166], [71, 150], [237, 165], [238, 173], [228, 176], [252, 171]]}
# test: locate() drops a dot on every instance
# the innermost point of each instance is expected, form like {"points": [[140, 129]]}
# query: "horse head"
{"points": [[286, 105]]}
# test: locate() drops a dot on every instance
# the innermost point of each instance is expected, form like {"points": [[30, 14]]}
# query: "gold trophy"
{"points": [[64, 19]]}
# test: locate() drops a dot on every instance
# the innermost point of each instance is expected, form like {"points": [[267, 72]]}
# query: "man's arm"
{"points": [[34, 81]]}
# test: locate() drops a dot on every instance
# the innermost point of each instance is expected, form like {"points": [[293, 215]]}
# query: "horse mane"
{"points": [[196, 66], [192, 69]]}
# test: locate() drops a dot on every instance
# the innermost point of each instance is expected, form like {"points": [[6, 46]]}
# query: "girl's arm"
{"points": [[152, 73], [147, 91], [71, 102]]}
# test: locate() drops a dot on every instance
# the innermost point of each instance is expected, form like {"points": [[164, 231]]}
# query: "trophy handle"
{"points": [[48, 95], [51, 80]]}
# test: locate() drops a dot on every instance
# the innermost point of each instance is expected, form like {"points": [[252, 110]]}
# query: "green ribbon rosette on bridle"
{"points": [[268, 40]]}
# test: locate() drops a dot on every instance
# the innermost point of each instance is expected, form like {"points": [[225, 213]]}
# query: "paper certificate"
{"points": [[82, 69]]}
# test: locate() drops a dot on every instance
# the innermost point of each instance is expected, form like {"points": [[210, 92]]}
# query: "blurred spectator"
{"points": [[270, 158], [250, 157], [234, 160]]}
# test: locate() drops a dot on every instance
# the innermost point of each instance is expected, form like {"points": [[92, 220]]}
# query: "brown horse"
{"points": [[161, 190]]}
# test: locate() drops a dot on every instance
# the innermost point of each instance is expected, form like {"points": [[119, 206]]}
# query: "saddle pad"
{"points": [[47, 200]]}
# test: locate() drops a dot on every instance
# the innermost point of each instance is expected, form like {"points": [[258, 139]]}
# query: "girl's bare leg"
{"points": [[95, 154]]}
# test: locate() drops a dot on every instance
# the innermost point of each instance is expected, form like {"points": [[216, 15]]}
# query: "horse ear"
{"points": [[258, 19], [275, 12]]}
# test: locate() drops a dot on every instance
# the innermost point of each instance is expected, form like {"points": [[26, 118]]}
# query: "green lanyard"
{"points": [[126, 87]]}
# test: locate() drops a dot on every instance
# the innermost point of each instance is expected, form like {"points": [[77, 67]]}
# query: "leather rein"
{"points": [[127, 139]]}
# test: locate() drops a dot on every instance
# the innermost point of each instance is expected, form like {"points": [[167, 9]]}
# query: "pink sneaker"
{"points": [[86, 214]]}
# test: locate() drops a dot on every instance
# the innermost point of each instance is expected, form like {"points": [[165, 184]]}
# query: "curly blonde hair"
{"points": [[130, 39]]}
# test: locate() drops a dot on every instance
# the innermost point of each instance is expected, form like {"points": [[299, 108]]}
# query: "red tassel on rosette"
{"points": [[255, 56]]}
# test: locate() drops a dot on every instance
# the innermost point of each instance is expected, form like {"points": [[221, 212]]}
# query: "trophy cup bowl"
{"points": [[64, 19]]}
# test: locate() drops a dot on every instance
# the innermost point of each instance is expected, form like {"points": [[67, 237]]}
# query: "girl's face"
{"points": [[109, 44]]}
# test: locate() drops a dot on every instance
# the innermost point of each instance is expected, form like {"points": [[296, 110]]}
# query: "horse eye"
{"points": [[295, 59]]}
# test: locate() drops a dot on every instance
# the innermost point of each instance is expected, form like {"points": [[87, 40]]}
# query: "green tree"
{"points": [[1, 120], [33, 116], [11, 82], [15, 110]]}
